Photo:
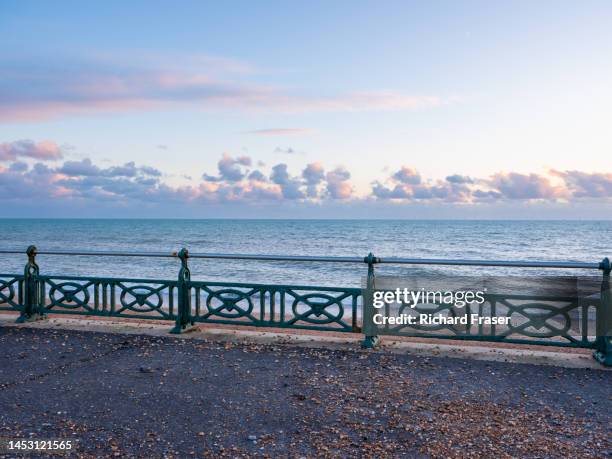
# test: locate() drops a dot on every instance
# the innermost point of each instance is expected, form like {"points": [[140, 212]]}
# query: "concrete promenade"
{"points": [[131, 390]]}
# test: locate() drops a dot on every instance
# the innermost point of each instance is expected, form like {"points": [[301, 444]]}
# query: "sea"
{"points": [[588, 241]]}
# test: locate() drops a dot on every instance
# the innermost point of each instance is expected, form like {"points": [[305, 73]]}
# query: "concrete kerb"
{"points": [[494, 354]]}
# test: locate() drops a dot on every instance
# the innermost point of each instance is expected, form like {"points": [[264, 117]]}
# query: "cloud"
{"points": [[406, 184], [424, 192], [18, 167], [43, 151], [279, 131], [19, 183], [257, 176], [513, 185], [456, 178], [290, 186], [235, 183], [85, 184], [338, 185], [313, 174], [230, 169], [85, 168], [376, 101], [42, 88], [147, 170], [396, 192], [286, 151], [587, 185], [407, 175], [79, 168]]}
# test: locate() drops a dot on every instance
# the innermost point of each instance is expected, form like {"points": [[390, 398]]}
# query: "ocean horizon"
{"points": [[544, 240]]}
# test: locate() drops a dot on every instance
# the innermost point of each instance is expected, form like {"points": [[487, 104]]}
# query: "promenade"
{"points": [[129, 395]]}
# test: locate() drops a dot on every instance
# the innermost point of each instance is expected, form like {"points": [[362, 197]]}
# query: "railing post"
{"points": [[183, 317], [31, 301], [371, 340], [603, 350]]}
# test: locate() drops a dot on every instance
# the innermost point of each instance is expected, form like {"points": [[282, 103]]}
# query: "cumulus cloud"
{"points": [[79, 168], [422, 191], [456, 178], [513, 185], [313, 174], [587, 185], [258, 176], [486, 195], [230, 169], [18, 166], [132, 184], [25, 148], [21, 183], [290, 186], [407, 175], [338, 185], [407, 184], [395, 192], [86, 168]]}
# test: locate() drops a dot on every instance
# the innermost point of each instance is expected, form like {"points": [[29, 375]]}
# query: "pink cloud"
{"points": [[587, 185], [338, 185], [513, 185], [83, 86], [406, 184], [237, 182], [43, 151]]}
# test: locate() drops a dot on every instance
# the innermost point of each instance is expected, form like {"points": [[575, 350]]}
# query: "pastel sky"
{"points": [[351, 109]]}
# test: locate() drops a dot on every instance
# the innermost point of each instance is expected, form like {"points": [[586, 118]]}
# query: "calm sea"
{"points": [[512, 240]]}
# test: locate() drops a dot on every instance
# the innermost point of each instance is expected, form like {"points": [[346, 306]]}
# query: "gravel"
{"points": [[143, 396]]}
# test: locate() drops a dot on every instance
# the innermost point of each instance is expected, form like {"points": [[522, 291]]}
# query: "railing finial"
{"points": [[605, 266], [31, 252], [371, 259]]}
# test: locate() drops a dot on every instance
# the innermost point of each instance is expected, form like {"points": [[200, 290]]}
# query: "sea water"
{"points": [[588, 241]]}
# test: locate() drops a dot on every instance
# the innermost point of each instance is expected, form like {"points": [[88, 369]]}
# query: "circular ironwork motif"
{"points": [[317, 312], [72, 295], [5, 298], [141, 298], [548, 318], [234, 303]]}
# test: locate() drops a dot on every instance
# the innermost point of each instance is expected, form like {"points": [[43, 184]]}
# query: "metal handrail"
{"points": [[330, 259]]}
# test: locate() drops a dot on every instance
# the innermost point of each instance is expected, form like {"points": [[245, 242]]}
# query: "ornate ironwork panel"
{"points": [[557, 321], [11, 292], [282, 306], [136, 298]]}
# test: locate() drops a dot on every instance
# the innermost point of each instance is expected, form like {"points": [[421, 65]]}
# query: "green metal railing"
{"points": [[187, 302]]}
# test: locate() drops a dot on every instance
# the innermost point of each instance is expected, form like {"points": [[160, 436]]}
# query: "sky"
{"points": [[319, 109]]}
